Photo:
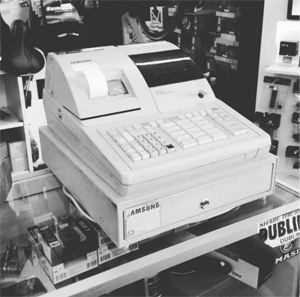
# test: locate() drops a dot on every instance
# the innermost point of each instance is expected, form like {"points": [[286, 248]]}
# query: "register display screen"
{"points": [[167, 67]]}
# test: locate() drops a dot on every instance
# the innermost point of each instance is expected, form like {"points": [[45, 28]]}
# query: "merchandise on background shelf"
{"points": [[65, 249], [5, 172]]}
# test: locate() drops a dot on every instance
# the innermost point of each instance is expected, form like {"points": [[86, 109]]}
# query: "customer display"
{"points": [[136, 134]]}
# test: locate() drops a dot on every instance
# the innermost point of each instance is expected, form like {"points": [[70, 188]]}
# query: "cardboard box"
{"points": [[58, 254], [250, 264], [63, 271], [34, 238], [17, 149], [19, 164]]}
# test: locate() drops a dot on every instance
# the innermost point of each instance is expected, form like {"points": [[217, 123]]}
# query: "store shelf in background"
{"points": [[226, 60], [293, 70], [10, 122], [201, 12], [227, 42], [230, 15]]}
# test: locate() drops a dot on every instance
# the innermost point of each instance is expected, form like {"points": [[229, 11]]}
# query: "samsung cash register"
{"points": [[137, 136]]}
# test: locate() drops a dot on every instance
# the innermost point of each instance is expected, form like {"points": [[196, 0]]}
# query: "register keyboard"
{"points": [[145, 140]]}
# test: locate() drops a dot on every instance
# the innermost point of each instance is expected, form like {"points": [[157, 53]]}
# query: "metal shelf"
{"points": [[292, 70], [11, 122]]}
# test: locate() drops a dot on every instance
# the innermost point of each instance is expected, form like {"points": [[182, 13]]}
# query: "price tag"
{"points": [[141, 219]]}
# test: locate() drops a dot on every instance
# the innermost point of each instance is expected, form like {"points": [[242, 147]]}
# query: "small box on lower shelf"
{"points": [[19, 164], [250, 264], [17, 149], [65, 249], [63, 271]]}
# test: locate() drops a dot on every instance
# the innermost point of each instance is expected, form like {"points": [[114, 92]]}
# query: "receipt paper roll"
{"points": [[96, 81]]}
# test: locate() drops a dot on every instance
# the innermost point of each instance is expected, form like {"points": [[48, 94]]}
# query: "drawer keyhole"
{"points": [[204, 203]]}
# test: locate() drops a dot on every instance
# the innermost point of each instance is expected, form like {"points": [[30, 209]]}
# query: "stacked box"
{"points": [[65, 249], [18, 156]]}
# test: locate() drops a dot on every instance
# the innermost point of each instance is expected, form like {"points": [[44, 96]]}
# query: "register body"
{"points": [[98, 101]]}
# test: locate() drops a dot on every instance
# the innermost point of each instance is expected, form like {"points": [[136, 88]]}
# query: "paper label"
{"points": [[281, 229], [81, 65], [141, 219]]}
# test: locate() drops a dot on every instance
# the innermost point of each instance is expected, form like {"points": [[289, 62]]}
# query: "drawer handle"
{"points": [[204, 203]]}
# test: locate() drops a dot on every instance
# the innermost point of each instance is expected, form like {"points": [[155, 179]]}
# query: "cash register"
{"points": [[137, 136]]}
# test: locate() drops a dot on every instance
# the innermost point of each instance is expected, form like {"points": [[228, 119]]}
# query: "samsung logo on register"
{"points": [[145, 208]]}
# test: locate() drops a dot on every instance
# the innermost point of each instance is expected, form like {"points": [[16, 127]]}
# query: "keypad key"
{"points": [[153, 124], [198, 134], [182, 122], [197, 118], [182, 138], [218, 136], [192, 130], [188, 143], [139, 148], [125, 146], [144, 155], [204, 139], [238, 131], [128, 136], [130, 151], [207, 127], [170, 148], [172, 129], [161, 150], [213, 131], [137, 126], [167, 125], [153, 153], [135, 157], [121, 141], [202, 123], [112, 132], [187, 126], [117, 136]]}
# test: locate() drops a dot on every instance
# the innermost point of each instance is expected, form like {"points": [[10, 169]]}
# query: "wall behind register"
{"points": [[276, 27]]}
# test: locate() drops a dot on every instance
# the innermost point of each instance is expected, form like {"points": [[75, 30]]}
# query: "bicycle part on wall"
{"points": [[163, 19]]}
